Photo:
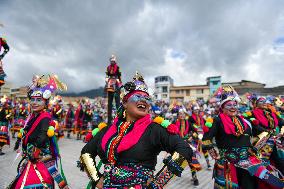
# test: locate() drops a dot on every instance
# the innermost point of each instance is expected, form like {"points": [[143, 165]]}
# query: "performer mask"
{"points": [[137, 105], [181, 115], [230, 108], [261, 103], [136, 97], [37, 103]]}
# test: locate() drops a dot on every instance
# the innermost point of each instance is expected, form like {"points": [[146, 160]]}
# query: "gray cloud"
{"points": [[75, 39]]}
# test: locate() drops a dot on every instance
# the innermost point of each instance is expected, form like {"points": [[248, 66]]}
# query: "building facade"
{"points": [[10, 90], [5, 90], [20, 92], [205, 92], [213, 83], [162, 88], [189, 93]]}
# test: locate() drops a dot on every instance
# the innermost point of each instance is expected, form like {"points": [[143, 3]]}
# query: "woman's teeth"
{"points": [[141, 106]]}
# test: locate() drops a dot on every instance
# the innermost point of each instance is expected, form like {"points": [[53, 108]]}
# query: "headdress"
{"points": [[112, 58], [195, 107], [255, 98], [137, 84], [226, 93], [270, 99], [44, 86], [177, 107], [156, 109], [3, 100], [278, 102]]}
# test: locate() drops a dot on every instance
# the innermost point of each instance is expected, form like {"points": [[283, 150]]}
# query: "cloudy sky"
{"points": [[188, 40]]}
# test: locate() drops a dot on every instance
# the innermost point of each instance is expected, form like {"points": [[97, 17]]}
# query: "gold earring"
{"points": [[124, 114]]}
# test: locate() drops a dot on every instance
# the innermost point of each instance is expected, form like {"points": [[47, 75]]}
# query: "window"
{"points": [[215, 82], [15, 90], [164, 79], [157, 89], [164, 96], [177, 91], [164, 89], [199, 91], [187, 92], [161, 79]]}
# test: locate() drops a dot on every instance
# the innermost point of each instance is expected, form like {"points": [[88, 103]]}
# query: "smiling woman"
{"points": [[237, 163], [129, 147], [38, 167]]}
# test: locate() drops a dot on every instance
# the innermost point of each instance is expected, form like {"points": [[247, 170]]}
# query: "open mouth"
{"points": [[141, 106], [232, 110], [35, 106]]}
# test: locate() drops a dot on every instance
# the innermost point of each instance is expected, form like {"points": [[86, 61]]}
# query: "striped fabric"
{"points": [[52, 169]]}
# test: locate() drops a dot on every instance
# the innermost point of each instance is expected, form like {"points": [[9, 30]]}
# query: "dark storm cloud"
{"points": [[75, 39]]}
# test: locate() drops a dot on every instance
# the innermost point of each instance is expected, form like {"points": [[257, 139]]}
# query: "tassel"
{"points": [[89, 186], [57, 156], [99, 164]]}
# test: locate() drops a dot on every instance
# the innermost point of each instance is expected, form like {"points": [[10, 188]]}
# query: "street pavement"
{"points": [[70, 150]]}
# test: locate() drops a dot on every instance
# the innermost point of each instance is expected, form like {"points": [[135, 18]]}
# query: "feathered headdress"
{"points": [[44, 86], [226, 93]]}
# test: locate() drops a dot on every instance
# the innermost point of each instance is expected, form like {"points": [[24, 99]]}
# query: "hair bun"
{"points": [[129, 86]]}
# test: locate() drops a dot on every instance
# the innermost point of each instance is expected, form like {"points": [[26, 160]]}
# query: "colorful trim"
{"points": [[35, 124], [207, 142], [111, 131], [122, 130], [209, 122], [233, 125], [171, 128], [37, 186], [59, 179], [266, 118], [198, 120], [131, 138], [183, 127], [126, 175], [225, 168]]}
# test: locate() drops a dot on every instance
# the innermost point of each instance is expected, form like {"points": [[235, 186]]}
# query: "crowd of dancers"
{"points": [[244, 136]]}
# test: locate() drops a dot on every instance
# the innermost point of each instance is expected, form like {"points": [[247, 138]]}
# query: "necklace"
{"points": [[122, 129]]}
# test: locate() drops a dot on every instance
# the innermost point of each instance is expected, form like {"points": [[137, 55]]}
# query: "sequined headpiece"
{"points": [[226, 93], [137, 84], [44, 86]]}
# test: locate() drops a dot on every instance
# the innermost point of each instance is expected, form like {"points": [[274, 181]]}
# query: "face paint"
{"points": [[229, 106], [138, 97], [37, 100], [260, 102]]}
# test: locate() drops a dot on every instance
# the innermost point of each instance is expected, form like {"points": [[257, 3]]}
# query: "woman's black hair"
{"points": [[46, 102], [120, 112], [129, 86], [30, 92]]}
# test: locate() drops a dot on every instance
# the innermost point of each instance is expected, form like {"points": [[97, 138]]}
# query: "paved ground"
{"points": [[70, 150]]}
